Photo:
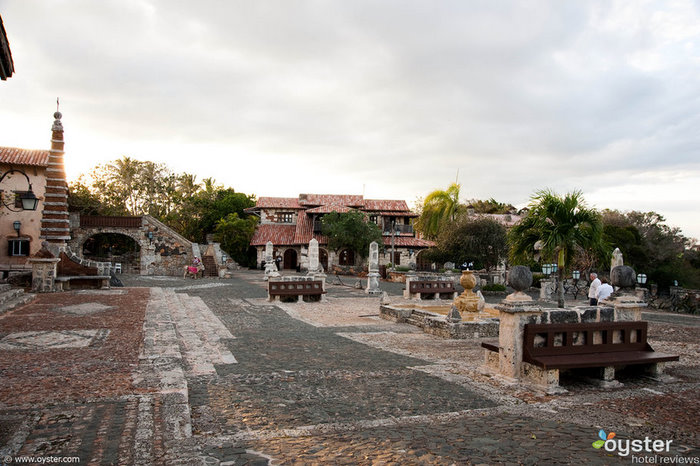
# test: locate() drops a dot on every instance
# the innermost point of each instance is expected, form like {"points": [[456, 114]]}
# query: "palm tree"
{"points": [[439, 207], [560, 224]]}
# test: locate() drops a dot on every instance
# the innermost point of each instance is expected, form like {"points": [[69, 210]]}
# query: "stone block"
{"points": [[564, 317]]}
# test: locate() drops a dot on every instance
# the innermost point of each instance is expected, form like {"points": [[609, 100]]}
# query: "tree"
{"points": [[439, 208], [234, 234], [491, 207], [561, 225], [350, 230], [481, 240]]}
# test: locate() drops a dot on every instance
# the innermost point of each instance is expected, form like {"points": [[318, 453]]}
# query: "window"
{"points": [[374, 219], [286, 217], [18, 247]]}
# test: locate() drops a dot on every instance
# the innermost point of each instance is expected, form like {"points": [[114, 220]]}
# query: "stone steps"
{"points": [[11, 298]]}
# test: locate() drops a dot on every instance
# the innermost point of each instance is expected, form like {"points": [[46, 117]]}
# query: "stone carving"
{"points": [[313, 257], [623, 277], [616, 260], [467, 301], [270, 267], [453, 316], [520, 279], [449, 266], [373, 276]]}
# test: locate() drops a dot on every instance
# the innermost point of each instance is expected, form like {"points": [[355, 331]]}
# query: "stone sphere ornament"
{"points": [[623, 276], [520, 278]]}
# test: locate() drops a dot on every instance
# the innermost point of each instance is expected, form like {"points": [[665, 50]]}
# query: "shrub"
{"points": [[493, 287]]}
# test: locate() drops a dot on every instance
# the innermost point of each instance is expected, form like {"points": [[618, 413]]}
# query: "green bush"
{"points": [[402, 268], [493, 287]]}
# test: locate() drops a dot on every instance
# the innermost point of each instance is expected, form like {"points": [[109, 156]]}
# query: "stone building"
{"points": [[20, 229], [290, 223]]}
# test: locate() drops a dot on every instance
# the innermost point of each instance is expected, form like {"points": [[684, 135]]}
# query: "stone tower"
{"points": [[55, 224]]}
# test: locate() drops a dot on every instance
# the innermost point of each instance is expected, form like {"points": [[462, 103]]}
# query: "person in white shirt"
{"points": [[593, 290], [604, 290]]}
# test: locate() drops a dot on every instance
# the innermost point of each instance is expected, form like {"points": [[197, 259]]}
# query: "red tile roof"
{"points": [[382, 204], [348, 200], [15, 156], [305, 231], [408, 242], [278, 234], [326, 209], [279, 202]]}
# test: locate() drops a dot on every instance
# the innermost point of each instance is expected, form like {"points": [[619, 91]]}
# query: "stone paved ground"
{"points": [[209, 372]]}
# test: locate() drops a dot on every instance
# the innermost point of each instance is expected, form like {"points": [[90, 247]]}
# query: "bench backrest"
{"points": [[295, 288], [431, 286], [584, 338]]}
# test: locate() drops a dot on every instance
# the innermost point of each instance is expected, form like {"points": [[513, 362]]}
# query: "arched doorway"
{"points": [[422, 263], [115, 248], [346, 257], [290, 259], [323, 258]]}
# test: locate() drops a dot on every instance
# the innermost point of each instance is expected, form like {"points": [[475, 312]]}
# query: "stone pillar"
{"points": [[55, 223], [513, 316], [43, 274], [373, 276], [628, 306], [313, 257], [270, 266]]}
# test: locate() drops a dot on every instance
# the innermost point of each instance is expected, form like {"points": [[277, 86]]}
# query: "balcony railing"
{"points": [[400, 229]]}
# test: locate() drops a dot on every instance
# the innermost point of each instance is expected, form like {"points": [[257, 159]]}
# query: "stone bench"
{"points": [[289, 291], [64, 282], [431, 289], [603, 345]]}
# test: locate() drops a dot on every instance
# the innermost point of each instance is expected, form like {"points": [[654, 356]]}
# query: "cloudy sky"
{"points": [[390, 98]]}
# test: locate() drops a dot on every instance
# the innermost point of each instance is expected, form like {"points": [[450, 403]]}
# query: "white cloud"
{"points": [[277, 98]]}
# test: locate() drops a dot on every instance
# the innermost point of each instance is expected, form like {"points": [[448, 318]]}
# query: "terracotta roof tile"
{"points": [[281, 202], [278, 234], [326, 209], [15, 156], [348, 200], [408, 242], [305, 231], [383, 205]]}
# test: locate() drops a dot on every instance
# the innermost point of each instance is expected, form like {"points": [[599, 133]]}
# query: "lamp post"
{"points": [[642, 279], [28, 199], [17, 225], [577, 275]]}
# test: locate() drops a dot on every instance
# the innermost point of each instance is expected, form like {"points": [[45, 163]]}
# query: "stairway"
{"points": [[10, 297], [210, 268]]}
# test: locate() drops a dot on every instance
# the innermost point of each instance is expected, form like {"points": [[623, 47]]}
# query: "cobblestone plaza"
{"points": [[172, 371]]}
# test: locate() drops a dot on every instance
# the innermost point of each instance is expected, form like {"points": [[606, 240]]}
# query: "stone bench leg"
{"points": [[606, 378], [547, 380]]}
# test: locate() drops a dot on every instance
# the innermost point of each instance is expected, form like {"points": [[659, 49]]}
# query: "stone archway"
{"points": [[162, 250], [122, 251], [422, 263]]}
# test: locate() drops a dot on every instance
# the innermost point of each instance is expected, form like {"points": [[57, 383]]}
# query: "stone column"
{"points": [[628, 306], [513, 316], [373, 276], [313, 257], [270, 266]]}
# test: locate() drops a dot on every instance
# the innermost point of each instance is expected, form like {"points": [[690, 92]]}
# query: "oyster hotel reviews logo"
{"points": [[624, 447]]}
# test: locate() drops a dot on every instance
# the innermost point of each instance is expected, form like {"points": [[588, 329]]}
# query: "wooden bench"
{"points": [[599, 344], [432, 289], [550, 348], [291, 290]]}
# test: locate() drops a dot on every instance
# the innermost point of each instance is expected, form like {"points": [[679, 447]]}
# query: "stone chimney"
{"points": [[55, 226]]}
